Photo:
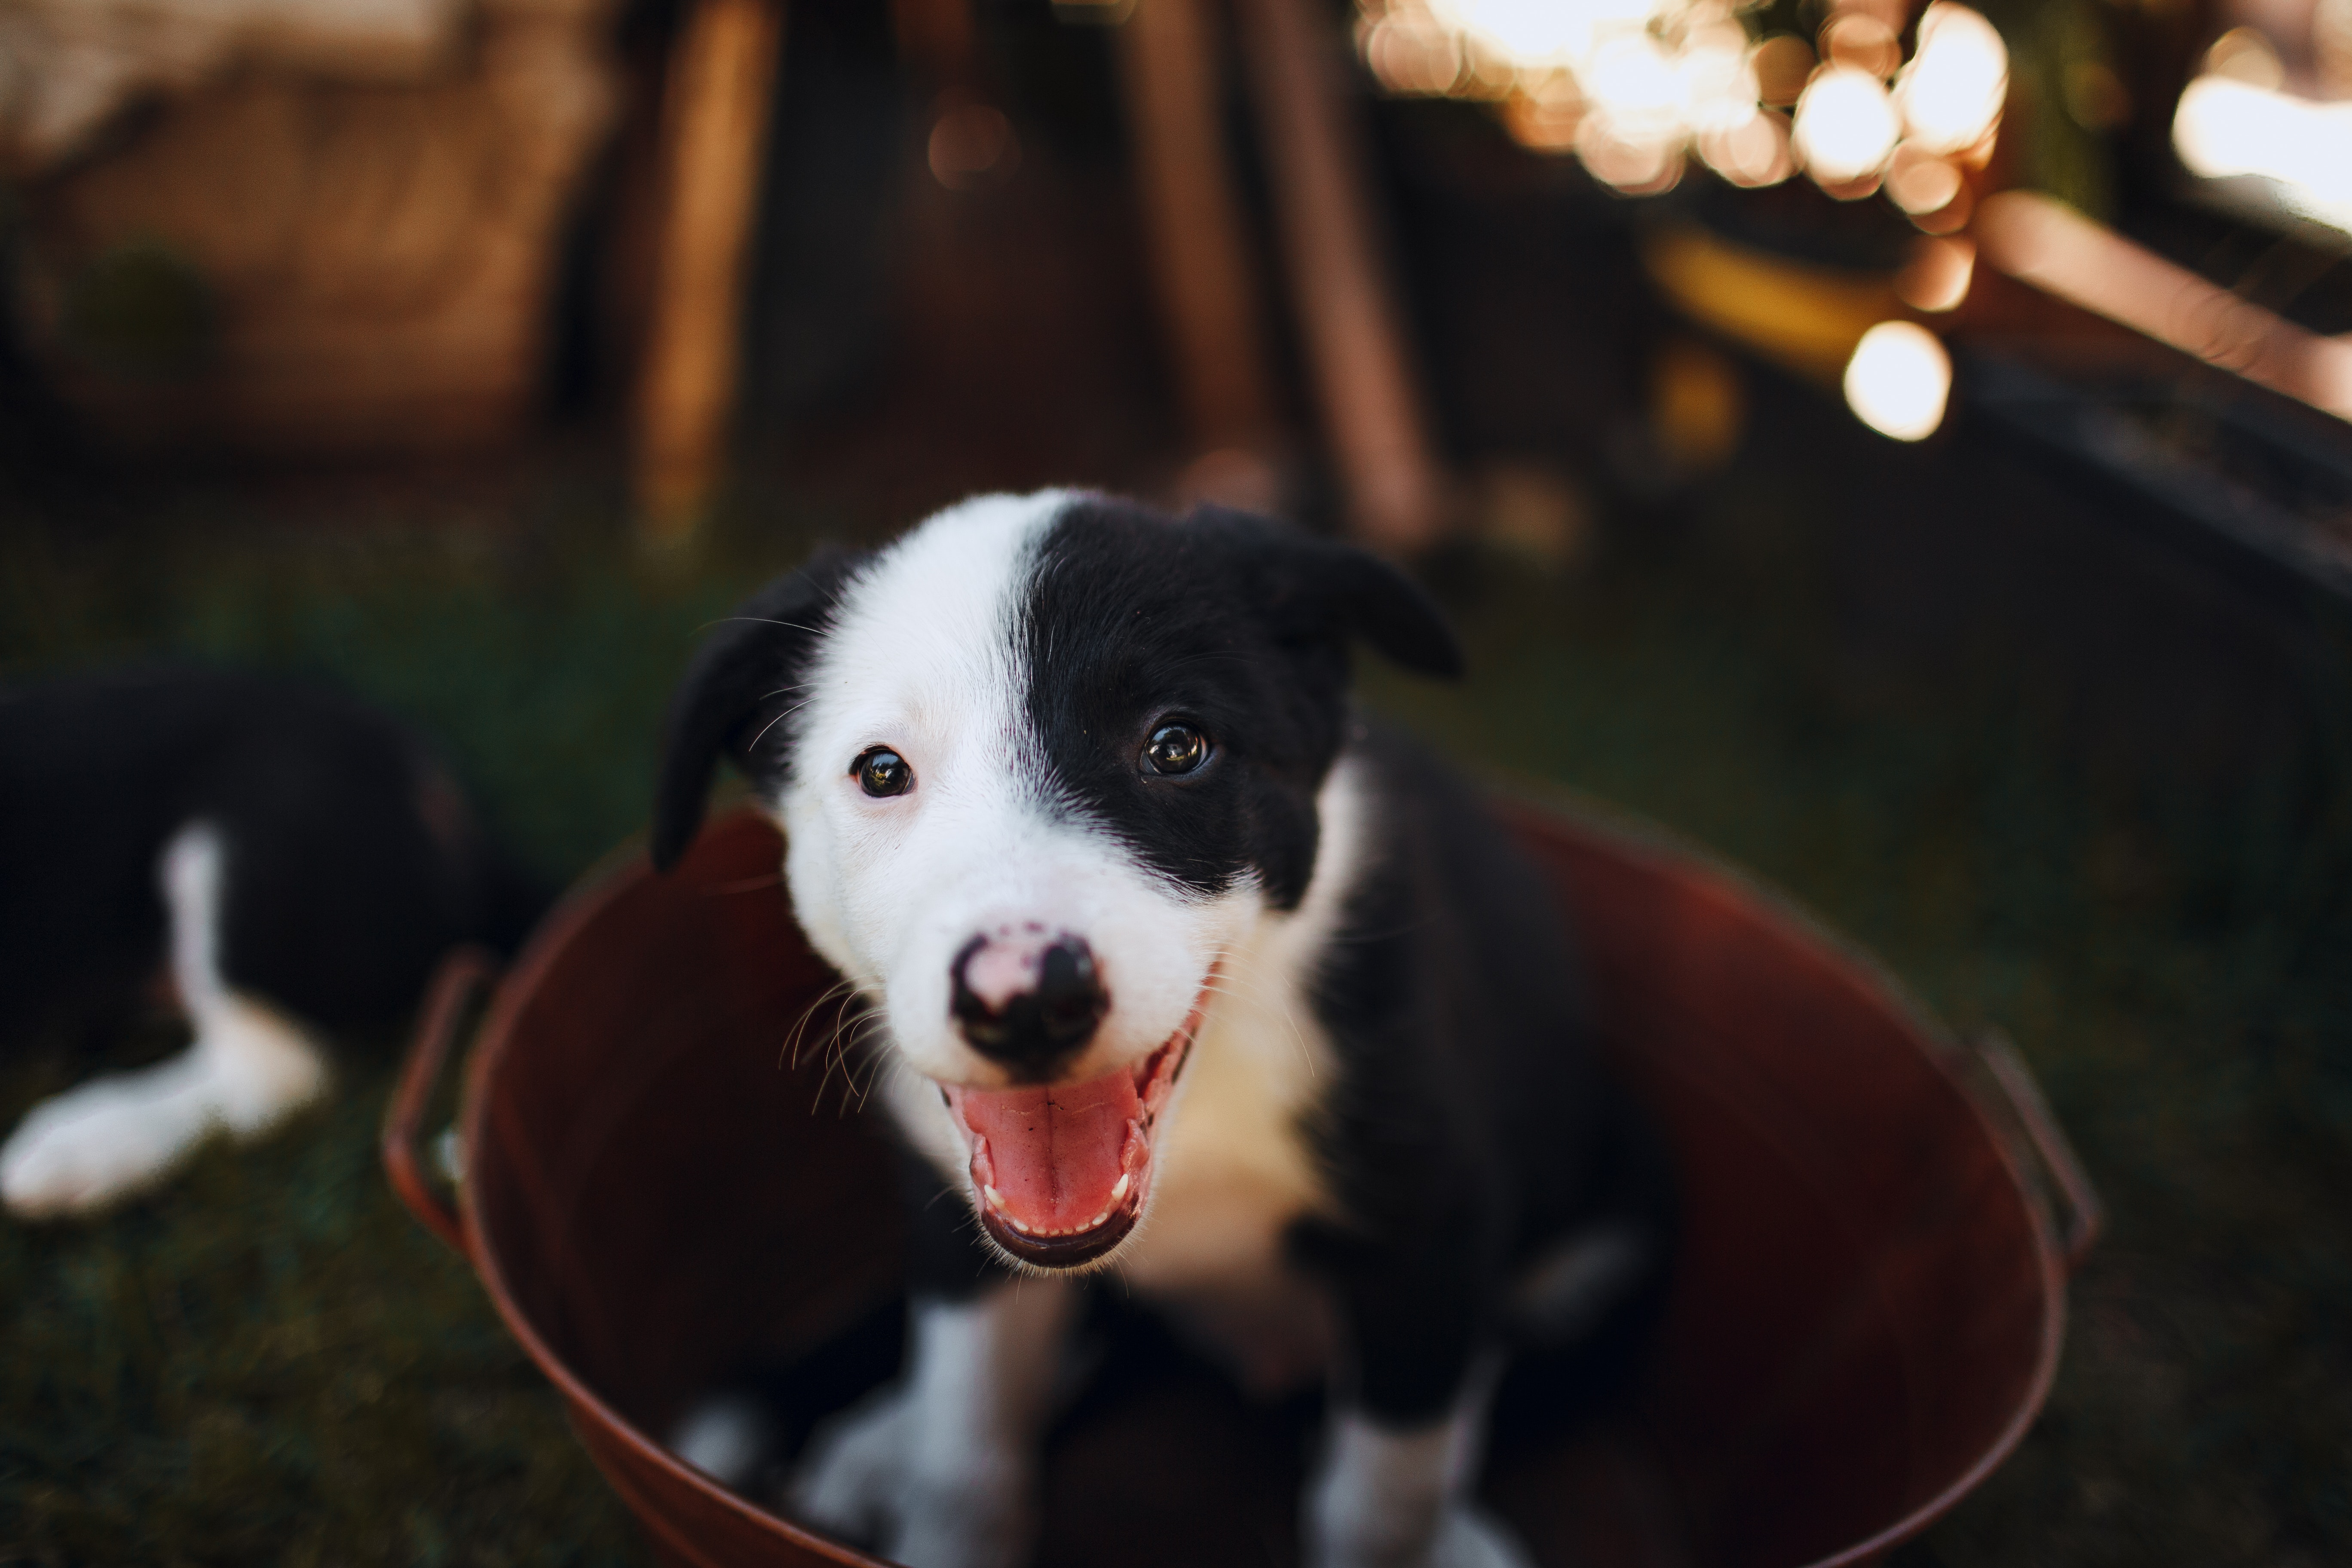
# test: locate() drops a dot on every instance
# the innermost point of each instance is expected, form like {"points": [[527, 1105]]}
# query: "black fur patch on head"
{"points": [[1228, 622], [737, 694]]}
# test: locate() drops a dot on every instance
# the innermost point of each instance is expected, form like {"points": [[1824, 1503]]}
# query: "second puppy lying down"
{"points": [[1187, 973], [291, 859]]}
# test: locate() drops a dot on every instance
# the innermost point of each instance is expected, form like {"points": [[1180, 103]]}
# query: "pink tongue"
{"points": [[1054, 1154]]}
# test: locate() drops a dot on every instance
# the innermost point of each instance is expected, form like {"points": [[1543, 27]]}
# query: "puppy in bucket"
{"points": [[1181, 972]]}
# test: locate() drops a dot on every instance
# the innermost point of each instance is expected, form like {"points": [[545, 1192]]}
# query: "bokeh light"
{"points": [[1631, 86], [970, 143], [2227, 126], [1923, 184], [1861, 40], [1415, 56], [1537, 32], [1939, 275], [1898, 380], [1717, 83], [2243, 54], [1753, 153], [1951, 92], [1783, 64], [1847, 128]]}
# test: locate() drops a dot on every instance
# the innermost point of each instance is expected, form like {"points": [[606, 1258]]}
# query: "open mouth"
{"points": [[1062, 1170]]}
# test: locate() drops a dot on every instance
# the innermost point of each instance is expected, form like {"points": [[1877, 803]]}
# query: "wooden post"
{"points": [[714, 120], [1192, 225], [1340, 290]]}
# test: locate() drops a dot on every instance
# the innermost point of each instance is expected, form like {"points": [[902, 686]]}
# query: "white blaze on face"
{"points": [[925, 656]]}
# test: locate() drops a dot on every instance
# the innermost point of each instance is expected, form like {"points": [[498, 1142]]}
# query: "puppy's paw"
{"points": [[118, 1135], [850, 1480], [78, 1152], [871, 1478], [730, 1436], [1470, 1537], [1463, 1536]]}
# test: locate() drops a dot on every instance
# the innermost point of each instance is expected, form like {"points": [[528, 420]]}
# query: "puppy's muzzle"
{"points": [[1026, 999]]}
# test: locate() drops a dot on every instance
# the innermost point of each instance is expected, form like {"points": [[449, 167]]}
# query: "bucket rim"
{"points": [[603, 885], [1523, 802]]}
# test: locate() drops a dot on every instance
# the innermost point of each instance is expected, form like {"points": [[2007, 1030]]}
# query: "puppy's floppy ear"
{"points": [[1370, 598], [743, 671], [1320, 587]]}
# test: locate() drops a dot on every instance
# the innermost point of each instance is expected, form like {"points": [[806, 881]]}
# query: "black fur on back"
{"points": [[1470, 1126], [353, 860]]}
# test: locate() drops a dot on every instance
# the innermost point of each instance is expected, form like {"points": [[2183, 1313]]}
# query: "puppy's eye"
{"points": [[879, 771], [1175, 749]]}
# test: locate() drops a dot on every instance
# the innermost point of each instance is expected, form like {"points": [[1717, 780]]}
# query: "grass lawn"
{"points": [[272, 1362]]}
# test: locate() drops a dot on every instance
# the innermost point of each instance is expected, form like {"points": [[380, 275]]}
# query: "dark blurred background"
{"points": [[476, 356]]}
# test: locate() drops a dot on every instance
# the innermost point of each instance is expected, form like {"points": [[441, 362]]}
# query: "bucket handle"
{"points": [[463, 973], [2085, 1214]]}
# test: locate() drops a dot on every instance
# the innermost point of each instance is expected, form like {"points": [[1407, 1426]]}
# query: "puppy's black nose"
{"points": [[1027, 1000]]}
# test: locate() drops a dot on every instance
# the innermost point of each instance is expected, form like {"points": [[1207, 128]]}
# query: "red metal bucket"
{"points": [[1865, 1317]]}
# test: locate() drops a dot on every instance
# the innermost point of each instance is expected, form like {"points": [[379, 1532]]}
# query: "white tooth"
{"points": [[995, 1198], [1119, 1190]]}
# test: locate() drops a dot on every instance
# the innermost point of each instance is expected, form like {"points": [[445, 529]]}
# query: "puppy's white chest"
{"points": [[1236, 1167], [1239, 1165]]}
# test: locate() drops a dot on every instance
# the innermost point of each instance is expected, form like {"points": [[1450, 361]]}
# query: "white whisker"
{"points": [[771, 724], [760, 621]]}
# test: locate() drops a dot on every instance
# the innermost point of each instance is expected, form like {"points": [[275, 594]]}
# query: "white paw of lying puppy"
{"points": [[121, 1135], [291, 859], [1182, 974]]}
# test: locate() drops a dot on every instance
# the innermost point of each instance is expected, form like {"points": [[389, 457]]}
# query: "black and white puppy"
{"points": [[1184, 972], [291, 859]]}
